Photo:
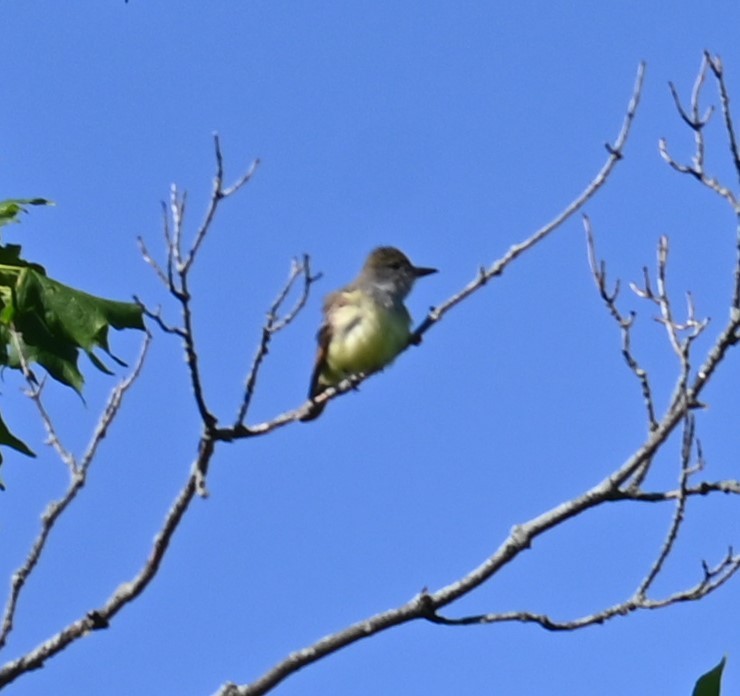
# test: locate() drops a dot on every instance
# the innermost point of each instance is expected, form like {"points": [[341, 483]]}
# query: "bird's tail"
{"points": [[314, 412], [313, 391]]}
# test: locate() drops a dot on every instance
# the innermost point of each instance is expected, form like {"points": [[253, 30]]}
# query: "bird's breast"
{"points": [[366, 336]]}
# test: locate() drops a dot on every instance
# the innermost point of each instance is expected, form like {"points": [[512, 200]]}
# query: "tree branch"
{"points": [[274, 323], [616, 153], [427, 604], [78, 472]]}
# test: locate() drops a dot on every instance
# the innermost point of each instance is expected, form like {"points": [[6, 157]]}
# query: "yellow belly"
{"points": [[365, 337]]}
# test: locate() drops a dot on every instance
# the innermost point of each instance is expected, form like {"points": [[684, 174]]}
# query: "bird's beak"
{"points": [[420, 272]]}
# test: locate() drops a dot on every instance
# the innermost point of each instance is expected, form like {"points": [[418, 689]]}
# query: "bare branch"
{"points": [[78, 477], [274, 323], [679, 514], [610, 489], [625, 323], [484, 275], [168, 246], [308, 281], [728, 487], [156, 316], [680, 344], [616, 153], [718, 70], [713, 579], [697, 123], [34, 392], [179, 264], [219, 193], [191, 355], [99, 618], [177, 212], [113, 406], [426, 606], [148, 258]]}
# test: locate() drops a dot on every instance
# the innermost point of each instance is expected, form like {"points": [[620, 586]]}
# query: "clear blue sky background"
{"points": [[451, 130]]}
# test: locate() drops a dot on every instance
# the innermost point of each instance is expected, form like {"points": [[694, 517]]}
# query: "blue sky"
{"points": [[450, 130]]}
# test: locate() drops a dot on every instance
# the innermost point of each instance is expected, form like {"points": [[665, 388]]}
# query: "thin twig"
{"points": [[179, 264], [522, 536], [34, 392], [728, 487], [716, 66], [424, 606], [99, 618], [625, 323], [717, 69], [148, 258], [697, 123], [273, 324], [218, 194], [78, 477], [681, 335], [680, 511], [156, 316], [616, 153], [177, 212], [713, 579], [113, 405], [191, 353]]}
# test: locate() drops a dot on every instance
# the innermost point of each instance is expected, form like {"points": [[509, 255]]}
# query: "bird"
{"points": [[365, 324]]}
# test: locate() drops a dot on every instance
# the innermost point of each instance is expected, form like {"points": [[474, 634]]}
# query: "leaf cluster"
{"points": [[45, 322]]}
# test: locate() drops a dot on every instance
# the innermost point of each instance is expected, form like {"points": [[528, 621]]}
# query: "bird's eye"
{"points": [[396, 265]]}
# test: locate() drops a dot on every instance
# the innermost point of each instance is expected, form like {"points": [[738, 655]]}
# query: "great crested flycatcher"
{"points": [[365, 325]]}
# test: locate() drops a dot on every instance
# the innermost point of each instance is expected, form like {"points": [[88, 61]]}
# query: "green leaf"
{"points": [[10, 255], [7, 438], [11, 209], [43, 321], [709, 684], [38, 344], [55, 320]]}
